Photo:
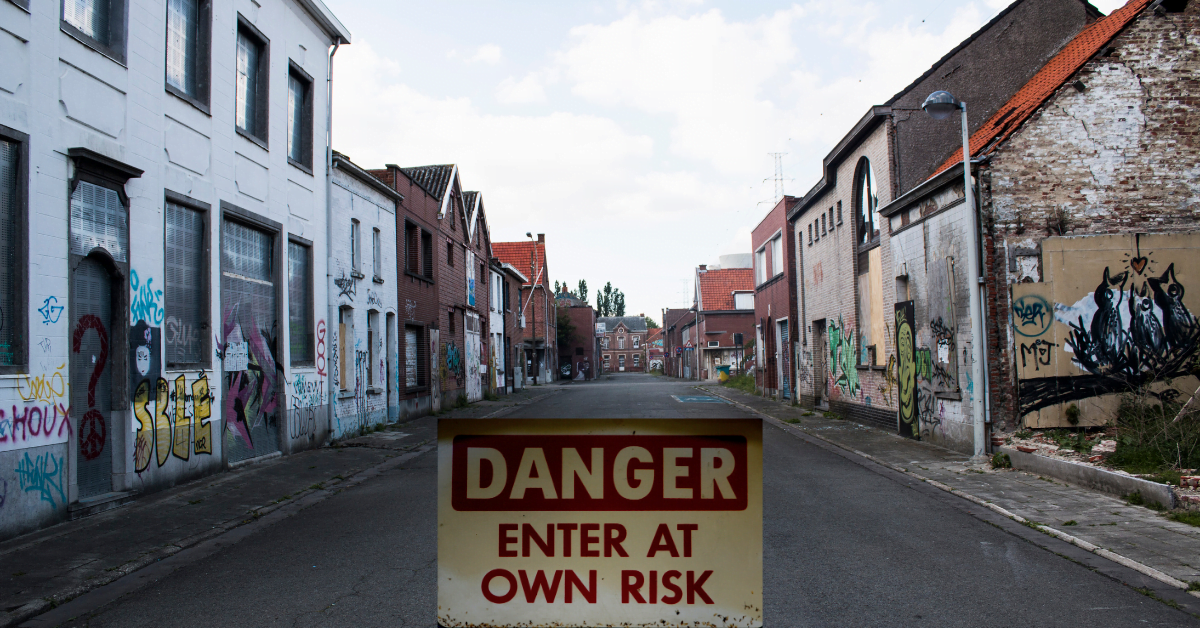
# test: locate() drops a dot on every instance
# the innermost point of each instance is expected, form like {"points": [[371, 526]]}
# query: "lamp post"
{"points": [[533, 307], [940, 105]]}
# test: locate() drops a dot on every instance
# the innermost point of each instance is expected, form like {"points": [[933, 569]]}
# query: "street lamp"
{"points": [[533, 307], [940, 105]]}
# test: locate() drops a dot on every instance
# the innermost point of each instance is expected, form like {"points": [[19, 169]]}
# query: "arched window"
{"points": [[866, 196]]}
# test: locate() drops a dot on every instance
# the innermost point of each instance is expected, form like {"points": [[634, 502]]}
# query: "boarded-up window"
{"points": [[186, 286], [871, 332], [98, 221], [412, 248], [411, 365], [10, 242], [300, 303], [344, 346], [427, 254]]}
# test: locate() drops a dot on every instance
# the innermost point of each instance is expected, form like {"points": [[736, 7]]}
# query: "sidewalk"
{"points": [[1097, 522], [46, 568]]}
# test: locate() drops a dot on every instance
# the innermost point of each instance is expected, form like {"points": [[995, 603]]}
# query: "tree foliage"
{"points": [[650, 324], [566, 329], [582, 291], [610, 301]]}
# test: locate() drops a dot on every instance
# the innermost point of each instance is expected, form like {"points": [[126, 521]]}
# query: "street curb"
{"points": [[1091, 477], [1080, 543], [88, 596]]}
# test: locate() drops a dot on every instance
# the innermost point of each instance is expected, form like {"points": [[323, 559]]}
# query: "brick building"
{"points": [[577, 356], [1084, 180], [655, 350], [511, 281], [676, 354], [417, 274], [845, 275], [725, 306], [623, 345], [461, 249], [774, 245], [536, 307]]}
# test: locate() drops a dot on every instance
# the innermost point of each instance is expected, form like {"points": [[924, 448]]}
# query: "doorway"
{"points": [[91, 362], [784, 349], [820, 371]]}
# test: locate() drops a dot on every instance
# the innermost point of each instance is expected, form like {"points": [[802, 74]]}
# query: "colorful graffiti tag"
{"points": [[843, 372], [172, 422], [906, 368]]}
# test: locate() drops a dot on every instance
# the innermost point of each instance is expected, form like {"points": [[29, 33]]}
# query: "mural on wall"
{"points": [[252, 374], [93, 434], [145, 304], [173, 418], [905, 365], [307, 396], [454, 363], [843, 368], [1086, 334]]}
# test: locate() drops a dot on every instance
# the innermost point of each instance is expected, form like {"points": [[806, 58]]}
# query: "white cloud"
{"points": [[528, 90], [487, 54]]}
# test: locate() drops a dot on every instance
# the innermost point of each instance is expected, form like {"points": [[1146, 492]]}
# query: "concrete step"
{"points": [[99, 503]]}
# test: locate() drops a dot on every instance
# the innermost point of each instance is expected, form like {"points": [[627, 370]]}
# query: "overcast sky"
{"points": [[635, 135]]}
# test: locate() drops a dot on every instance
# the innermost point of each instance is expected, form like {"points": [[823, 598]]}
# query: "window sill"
{"points": [[345, 394], [371, 390], [357, 274], [301, 167], [181, 95], [954, 396], [261, 142], [106, 51], [304, 365], [428, 280], [377, 279], [187, 367]]}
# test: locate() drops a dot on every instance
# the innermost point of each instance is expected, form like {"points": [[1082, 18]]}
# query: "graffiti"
{"points": [[410, 309], [92, 435], [178, 423], [92, 431], [927, 414], [924, 364], [1040, 351], [889, 380], [321, 348], [906, 369], [347, 285], [144, 304], [252, 396], [45, 345], [373, 298], [50, 310], [34, 425], [945, 365], [182, 336], [1032, 315], [334, 363], [841, 358], [454, 363], [302, 416], [46, 388], [43, 474]]}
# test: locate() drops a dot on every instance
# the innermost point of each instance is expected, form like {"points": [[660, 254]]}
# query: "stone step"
{"points": [[99, 503]]}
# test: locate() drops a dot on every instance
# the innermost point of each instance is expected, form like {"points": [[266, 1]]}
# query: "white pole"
{"points": [[977, 330]]}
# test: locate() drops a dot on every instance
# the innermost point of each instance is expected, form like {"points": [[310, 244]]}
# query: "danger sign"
{"points": [[600, 522]]}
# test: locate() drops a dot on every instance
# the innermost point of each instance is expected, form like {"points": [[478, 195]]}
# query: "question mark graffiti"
{"points": [[92, 431]]}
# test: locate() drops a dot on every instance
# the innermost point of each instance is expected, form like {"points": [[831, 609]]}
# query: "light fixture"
{"points": [[940, 104]]}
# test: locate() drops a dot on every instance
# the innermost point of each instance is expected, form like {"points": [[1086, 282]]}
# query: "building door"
{"points": [[91, 372], [785, 363], [771, 372], [435, 370], [820, 372], [250, 346], [474, 375]]}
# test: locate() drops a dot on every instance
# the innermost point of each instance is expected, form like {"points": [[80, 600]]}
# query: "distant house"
{"points": [[725, 308], [536, 314], [623, 345]]}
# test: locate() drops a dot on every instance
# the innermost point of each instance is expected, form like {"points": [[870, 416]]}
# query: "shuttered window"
{"points": [[411, 367], [250, 89], [300, 118], [300, 327], [186, 286], [427, 254], [185, 48], [376, 255], [10, 243], [412, 248], [90, 17], [98, 221]]}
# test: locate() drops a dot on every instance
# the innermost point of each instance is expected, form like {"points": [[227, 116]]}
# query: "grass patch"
{"points": [[461, 402], [1072, 522], [1190, 517], [193, 502], [792, 420], [807, 413], [744, 383], [833, 415], [1194, 585], [1001, 460], [1076, 440], [490, 396], [318, 486], [1137, 499]]}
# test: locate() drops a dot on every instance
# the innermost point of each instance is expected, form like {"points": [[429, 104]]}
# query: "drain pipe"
{"points": [[332, 386]]}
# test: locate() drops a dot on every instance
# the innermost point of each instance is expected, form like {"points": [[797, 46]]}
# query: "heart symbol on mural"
{"points": [[1138, 264]]}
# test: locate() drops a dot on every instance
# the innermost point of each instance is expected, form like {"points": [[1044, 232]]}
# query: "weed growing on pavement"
{"points": [[1154, 596], [807, 413], [461, 401], [1194, 585], [490, 396], [792, 420], [1069, 439], [193, 502], [833, 415], [1072, 522], [1137, 499], [1190, 517], [1024, 434], [1001, 460], [744, 383]]}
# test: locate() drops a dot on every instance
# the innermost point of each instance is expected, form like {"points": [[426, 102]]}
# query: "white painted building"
{"points": [[364, 380], [162, 199]]}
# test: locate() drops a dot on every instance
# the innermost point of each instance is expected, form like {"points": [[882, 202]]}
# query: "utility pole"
{"points": [[533, 310], [778, 175]]}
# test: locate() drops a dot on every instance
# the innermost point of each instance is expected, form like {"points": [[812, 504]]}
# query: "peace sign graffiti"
{"points": [[92, 434]]}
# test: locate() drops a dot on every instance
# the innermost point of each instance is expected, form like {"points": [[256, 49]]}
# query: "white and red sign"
{"points": [[586, 522]]}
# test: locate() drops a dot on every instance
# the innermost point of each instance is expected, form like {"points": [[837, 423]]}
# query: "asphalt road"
{"points": [[845, 544]]}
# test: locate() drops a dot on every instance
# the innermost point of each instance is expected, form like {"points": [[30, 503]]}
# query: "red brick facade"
{"points": [[540, 326], [775, 299]]}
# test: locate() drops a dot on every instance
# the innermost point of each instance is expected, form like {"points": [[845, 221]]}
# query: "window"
{"points": [[372, 355], [604, 342], [355, 246], [13, 203], [186, 288], [621, 361], [607, 361], [714, 343], [637, 342], [300, 303], [831, 219], [376, 256], [300, 118], [839, 212], [250, 95], [760, 265], [450, 254], [98, 24], [427, 254], [823, 232], [415, 357], [412, 248], [620, 342], [637, 359], [451, 322], [188, 40], [810, 240], [743, 300], [816, 229], [867, 203], [777, 255], [345, 343], [451, 213]]}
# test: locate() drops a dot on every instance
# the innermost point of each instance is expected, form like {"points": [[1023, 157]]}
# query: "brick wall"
{"points": [[775, 298]]}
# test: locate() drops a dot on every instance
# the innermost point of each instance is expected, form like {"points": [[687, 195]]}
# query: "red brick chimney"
{"points": [[542, 237], [704, 267]]}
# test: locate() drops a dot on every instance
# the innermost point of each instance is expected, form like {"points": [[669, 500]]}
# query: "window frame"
{"points": [[355, 248], [118, 30], [376, 255], [450, 253], [203, 68], [205, 210], [345, 313], [20, 318], [427, 255], [306, 150], [262, 88], [310, 304], [423, 366]]}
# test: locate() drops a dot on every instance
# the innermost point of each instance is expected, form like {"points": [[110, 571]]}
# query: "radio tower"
{"points": [[778, 175]]}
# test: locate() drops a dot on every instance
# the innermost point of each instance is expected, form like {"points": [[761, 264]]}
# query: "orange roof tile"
{"points": [[717, 286], [519, 255], [1048, 80]]}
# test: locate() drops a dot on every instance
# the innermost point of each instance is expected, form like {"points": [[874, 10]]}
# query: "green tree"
{"points": [[566, 329], [583, 290], [619, 303], [650, 324]]}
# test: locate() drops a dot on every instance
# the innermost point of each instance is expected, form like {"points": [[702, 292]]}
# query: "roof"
{"points": [[432, 179], [654, 334], [342, 162], [518, 254], [632, 323], [326, 19], [717, 287], [1046, 82]]}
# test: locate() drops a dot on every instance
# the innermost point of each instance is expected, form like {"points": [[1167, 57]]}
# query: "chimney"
{"points": [[643, 314], [704, 267], [542, 238]]}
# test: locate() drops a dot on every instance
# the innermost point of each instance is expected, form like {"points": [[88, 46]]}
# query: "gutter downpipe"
{"points": [[337, 42]]}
